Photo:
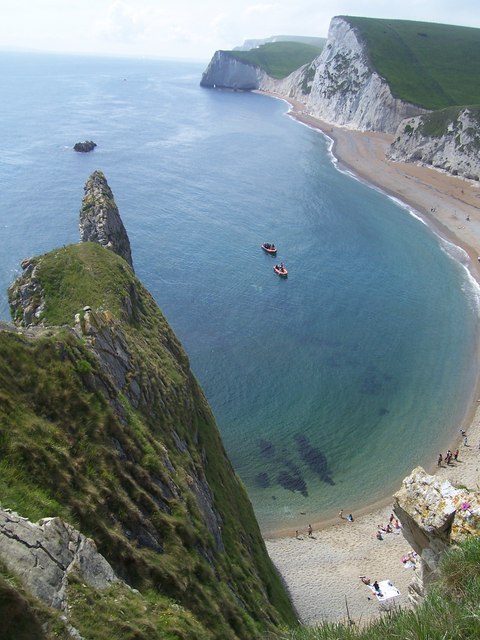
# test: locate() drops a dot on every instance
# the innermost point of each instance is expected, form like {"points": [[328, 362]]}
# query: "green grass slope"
{"points": [[72, 446], [430, 65], [279, 59]]}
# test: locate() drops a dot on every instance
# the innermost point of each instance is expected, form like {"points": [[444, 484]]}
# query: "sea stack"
{"points": [[100, 220]]}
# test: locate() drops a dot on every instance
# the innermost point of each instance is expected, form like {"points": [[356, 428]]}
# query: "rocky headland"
{"points": [[342, 87], [117, 494]]}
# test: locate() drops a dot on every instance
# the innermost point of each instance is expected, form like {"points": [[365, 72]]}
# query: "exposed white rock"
{"points": [[456, 151], [434, 514], [226, 71], [340, 86], [43, 554]]}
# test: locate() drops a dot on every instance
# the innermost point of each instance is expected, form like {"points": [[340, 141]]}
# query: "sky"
{"points": [[194, 29]]}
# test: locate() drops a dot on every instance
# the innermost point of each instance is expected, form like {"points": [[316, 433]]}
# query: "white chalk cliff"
{"points": [[454, 148], [340, 86]]}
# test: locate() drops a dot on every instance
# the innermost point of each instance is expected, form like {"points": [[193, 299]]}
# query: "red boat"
{"points": [[280, 270], [269, 248]]}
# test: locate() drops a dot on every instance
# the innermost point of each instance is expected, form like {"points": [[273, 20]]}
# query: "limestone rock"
{"points": [[340, 86], [99, 218], [225, 71], [43, 554], [434, 514], [455, 150], [84, 147], [26, 295]]}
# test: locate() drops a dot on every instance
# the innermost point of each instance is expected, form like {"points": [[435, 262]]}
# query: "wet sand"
{"points": [[322, 572]]}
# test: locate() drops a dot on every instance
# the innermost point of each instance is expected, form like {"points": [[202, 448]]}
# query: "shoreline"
{"points": [[322, 572]]}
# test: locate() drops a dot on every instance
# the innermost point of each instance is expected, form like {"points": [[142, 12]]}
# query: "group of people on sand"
{"points": [[349, 517], [449, 456], [298, 536], [374, 585], [410, 560], [393, 526]]}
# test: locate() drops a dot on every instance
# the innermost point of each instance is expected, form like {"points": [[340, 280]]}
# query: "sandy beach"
{"points": [[322, 572]]}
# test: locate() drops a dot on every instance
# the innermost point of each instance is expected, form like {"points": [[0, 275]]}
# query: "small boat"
{"points": [[280, 270], [269, 248]]}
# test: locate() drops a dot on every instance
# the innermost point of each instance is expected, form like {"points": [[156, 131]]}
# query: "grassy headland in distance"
{"points": [[279, 59]]}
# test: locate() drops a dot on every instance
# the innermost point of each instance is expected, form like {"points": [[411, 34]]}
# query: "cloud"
{"points": [[123, 22]]}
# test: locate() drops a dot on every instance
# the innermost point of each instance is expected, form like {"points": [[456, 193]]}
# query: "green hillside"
{"points": [[279, 59], [430, 65], [128, 469]]}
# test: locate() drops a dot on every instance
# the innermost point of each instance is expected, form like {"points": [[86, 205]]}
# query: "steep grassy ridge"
{"points": [[430, 65], [130, 467], [279, 59]]}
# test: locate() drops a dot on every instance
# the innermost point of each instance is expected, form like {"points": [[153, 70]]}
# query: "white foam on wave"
{"points": [[470, 286]]}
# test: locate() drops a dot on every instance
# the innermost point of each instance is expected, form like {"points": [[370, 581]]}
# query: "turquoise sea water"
{"points": [[329, 386]]}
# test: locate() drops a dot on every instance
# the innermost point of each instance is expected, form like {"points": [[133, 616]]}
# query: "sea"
{"points": [[328, 386]]}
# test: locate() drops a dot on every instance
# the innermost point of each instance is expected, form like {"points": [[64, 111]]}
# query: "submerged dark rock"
{"points": [[293, 481], [314, 458], [267, 449], [84, 147], [262, 480]]}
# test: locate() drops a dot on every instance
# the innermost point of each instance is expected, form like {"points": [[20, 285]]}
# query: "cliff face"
{"points": [[339, 87], [225, 71], [109, 431], [447, 140], [346, 90], [99, 218], [434, 515]]}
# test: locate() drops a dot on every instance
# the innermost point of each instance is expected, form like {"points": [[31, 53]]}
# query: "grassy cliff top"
{"points": [[430, 65], [137, 465], [279, 59]]}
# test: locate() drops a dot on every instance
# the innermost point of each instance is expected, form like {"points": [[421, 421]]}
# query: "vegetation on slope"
{"points": [[125, 475], [279, 59], [451, 610], [430, 65], [437, 123]]}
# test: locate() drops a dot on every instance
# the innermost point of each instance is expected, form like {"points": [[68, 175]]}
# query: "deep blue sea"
{"points": [[328, 387]]}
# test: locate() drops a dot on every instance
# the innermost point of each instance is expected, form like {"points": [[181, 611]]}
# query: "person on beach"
{"points": [[310, 531], [365, 580], [340, 513], [440, 459], [448, 456], [350, 517], [376, 586], [455, 455]]}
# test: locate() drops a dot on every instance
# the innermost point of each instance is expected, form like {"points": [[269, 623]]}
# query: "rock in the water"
{"points": [[99, 218], [84, 147]]}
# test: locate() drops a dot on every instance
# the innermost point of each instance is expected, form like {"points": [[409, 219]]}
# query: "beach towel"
{"points": [[387, 590]]}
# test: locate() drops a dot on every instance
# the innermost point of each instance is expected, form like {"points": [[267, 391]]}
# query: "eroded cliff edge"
{"points": [[107, 430], [343, 87], [434, 515], [340, 86]]}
